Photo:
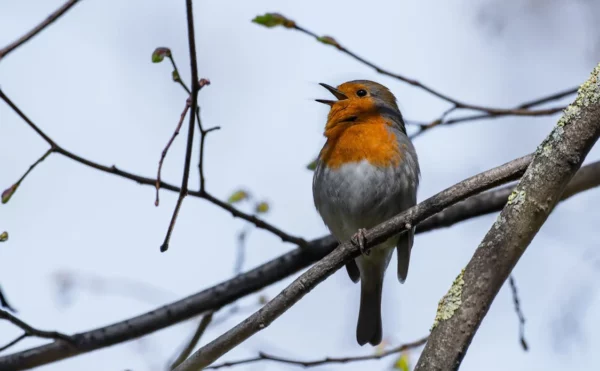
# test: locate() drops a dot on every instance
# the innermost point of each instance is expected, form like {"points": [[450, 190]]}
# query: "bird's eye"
{"points": [[361, 93]]}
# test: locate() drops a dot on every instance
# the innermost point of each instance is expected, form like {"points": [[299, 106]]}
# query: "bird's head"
{"points": [[359, 100]]}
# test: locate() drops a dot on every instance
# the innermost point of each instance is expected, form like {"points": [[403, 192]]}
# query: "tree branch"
{"points": [[517, 303], [268, 273], [202, 326], [14, 342], [273, 19], [556, 161], [190, 139], [31, 331], [259, 223], [37, 29], [346, 251], [328, 360]]}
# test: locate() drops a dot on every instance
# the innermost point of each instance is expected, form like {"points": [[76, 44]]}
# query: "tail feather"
{"points": [[353, 271], [369, 328], [403, 249]]}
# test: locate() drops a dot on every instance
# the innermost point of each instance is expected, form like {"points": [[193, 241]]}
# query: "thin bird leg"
{"points": [[359, 239]]}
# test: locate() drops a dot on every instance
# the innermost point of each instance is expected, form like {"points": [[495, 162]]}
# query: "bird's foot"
{"points": [[359, 239]]}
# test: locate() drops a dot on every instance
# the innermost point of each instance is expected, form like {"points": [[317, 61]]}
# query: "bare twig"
{"points": [[526, 105], [259, 223], [556, 161], [329, 360], [456, 103], [14, 342], [517, 303], [203, 132], [166, 149], [346, 251], [31, 331], [202, 326], [37, 29], [176, 73], [247, 283], [7, 194], [241, 250], [190, 140], [4, 303]]}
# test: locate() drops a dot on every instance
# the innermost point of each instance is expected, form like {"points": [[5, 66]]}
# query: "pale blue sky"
{"points": [[89, 83]]}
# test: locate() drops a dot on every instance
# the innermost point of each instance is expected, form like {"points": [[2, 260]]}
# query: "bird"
{"points": [[366, 173]]}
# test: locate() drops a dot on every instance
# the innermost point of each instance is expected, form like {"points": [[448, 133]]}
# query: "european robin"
{"points": [[366, 173]]}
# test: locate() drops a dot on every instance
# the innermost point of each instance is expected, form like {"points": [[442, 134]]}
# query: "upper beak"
{"points": [[338, 94]]}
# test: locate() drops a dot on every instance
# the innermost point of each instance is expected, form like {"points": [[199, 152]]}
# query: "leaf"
{"points": [[8, 193], [402, 363], [262, 207], [329, 41], [313, 165], [159, 54], [263, 299], [237, 196], [3, 236], [175, 75], [273, 19]]}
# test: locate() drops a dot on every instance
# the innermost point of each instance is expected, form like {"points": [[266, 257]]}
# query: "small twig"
{"points": [[176, 71], [37, 29], [13, 342], [10, 191], [4, 303], [30, 331], [517, 303], [190, 140], [549, 98], [166, 149], [329, 360], [203, 133], [425, 126], [413, 82], [202, 83], [204, 322], [241, 250]]}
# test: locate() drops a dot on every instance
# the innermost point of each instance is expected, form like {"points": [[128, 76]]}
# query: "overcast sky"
{"points": [[89, 83]]}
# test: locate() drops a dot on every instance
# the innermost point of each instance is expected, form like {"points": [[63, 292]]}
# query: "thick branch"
{"points": [[556, 161], [229, 291], [37, 29]]}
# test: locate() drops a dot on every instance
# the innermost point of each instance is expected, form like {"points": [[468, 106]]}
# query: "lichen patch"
{"points": [[451, 301]]}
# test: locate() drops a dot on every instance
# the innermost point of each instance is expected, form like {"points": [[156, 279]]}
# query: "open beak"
{"points": [[338, 94]]}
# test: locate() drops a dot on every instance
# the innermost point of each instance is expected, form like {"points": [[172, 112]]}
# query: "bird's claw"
{"points": [[359, 239]]}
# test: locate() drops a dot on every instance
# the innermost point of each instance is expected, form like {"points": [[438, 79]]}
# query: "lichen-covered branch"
{"points": [[556, 161]]}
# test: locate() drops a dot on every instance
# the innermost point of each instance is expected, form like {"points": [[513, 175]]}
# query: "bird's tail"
{"points": [[369, 328]]}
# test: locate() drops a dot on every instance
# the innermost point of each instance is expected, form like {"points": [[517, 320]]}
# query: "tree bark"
{"points": [[556, 160]]}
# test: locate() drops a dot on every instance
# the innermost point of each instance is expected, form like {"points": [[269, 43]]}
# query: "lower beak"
{"points": [[338, 94]]}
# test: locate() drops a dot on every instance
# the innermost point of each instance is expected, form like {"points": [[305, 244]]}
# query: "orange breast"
{"points": [[357, 141]]}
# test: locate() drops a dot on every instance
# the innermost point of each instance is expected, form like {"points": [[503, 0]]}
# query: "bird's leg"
{"points": [[359, 239]]}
